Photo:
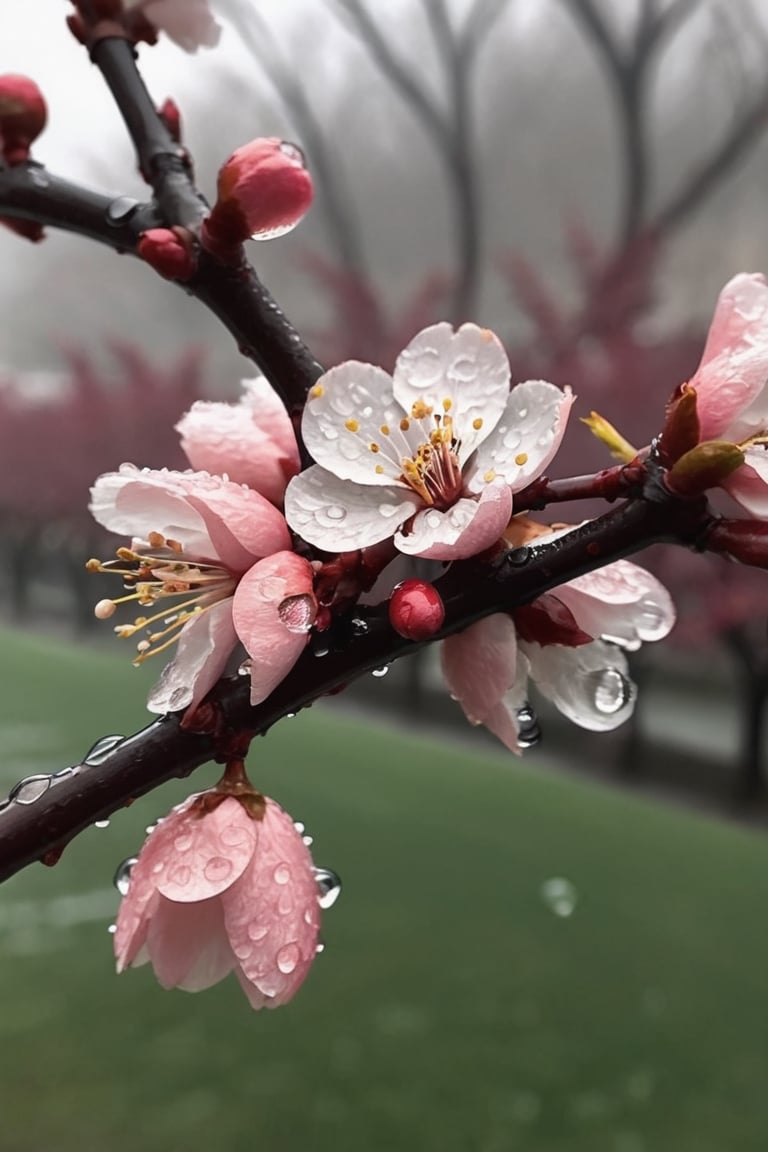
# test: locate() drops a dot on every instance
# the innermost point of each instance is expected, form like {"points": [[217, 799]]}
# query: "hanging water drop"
{"points": [[528, 729], [609, 689], [328, 887], [245, 668], [359, 627], [298, 613], [122, 878], [319, 947], [652, 621], [112, 929], [99, 752], [299, 826], [379, 672], [101, 823], [120, 210], [560, 896]]}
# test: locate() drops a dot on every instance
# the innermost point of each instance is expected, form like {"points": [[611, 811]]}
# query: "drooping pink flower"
{"points": [[730, 384], [220, 889], [431, 456], [570, 643], [210, 561], [252, 442], [189, 23]]}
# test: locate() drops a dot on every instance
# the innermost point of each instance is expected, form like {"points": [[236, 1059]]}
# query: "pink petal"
{"points": [[339, 516], [188, 945], [480, 665], [272, 914], [749, 484], [572, 678], [466, 529], [132, 926], [202, 653], [189, 23], [273, 647], [732, 373], [621, 601], [191, 857], [526, 437], [468, 369], [252, 442]]}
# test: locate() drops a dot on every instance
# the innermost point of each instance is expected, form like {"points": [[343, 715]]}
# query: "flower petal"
{"points": [[339, 516], [480, 665], [468, 370], [192, 857], [466, 529], [204, 647], [344, 415], [526, 437], [252, 442], [188, 944], [732, 375], [621, 601], [273, 647], [749, 484], [589, 684], [272, 914]]}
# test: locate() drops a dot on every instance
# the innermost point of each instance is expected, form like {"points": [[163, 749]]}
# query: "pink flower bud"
{"points": [[264, 189], [23, 115], [416, 610], [169, 252]]}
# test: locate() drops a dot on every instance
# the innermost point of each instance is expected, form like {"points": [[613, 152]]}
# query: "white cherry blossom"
{"points": [[431, 456]]}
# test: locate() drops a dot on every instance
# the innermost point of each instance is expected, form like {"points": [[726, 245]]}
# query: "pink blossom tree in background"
{"points": [[263, 575]]}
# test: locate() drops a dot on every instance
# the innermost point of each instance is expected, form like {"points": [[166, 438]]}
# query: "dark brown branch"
{"points": [[356, 644]]}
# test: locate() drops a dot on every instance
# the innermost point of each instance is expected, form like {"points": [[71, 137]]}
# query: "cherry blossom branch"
{"points": [[610, 484], [44, 815]]}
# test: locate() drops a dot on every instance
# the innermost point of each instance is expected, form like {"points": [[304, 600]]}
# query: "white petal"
{"points": [[467, 369], [134, 502], [466, 529], [621, 601], [344, 416], [526, 437], [339, 516], [202, 652], [589, 684], [749, 484]]}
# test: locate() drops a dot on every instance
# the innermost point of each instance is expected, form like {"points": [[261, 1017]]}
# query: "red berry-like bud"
{"points": [[416, 610], [264, 189], [169, 251], [23, 115]]}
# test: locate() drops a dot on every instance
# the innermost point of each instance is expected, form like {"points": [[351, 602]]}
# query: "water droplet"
{"points": [[273, 233], [120, 210], [287, 958], [299, 826], [217, 869], [628, 644], [517, 557], [122, 878], [387, 510], [522, 413], [330, 432], [101, 750], [233, 837], [243, 951], [560, 896], [319, 947], [257, 931], [652, 621], [179, 875], [157, 868], [359, 627], [30, 789], [293, 152], [101, 823], [336, 512], [291, 715], [350, 448], [112, 929], [609, 689], [270, 588], [150, 828], [285, 902], [328, 885], [245, 668], [528, 730], [432, 518], [281, 874], [379, 672], [543, 440], [308, 840], [38, 176], [297, 613], [464, 368]]}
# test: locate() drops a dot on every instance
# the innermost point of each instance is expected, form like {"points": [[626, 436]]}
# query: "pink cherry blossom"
{"points": [[252, 442], [487, 667], [430, 456], [730, 384], [223, 889], [189, 23], [211, 563]]}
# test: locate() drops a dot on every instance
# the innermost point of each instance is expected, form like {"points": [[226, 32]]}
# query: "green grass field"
{"points": [[452, 1010]]}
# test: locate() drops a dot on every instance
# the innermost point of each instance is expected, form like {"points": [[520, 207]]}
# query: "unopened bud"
{"points": [[169, 251], [681, 430], [264, 190], [743, 540], [416, 610], [23, 115], [705, 466], [619, 448]]}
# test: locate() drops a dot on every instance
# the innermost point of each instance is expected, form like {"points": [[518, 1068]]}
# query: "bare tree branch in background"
{"points": [[451, 130], [285, 79]]}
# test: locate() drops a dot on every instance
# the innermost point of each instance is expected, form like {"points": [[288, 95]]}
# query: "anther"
{"points": [[105, 608]]}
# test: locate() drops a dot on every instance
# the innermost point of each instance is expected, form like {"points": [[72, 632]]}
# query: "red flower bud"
{"points": [[169, 251], [22, 116], [264, 190], [416, 610], [171, 117], [681, 426]]}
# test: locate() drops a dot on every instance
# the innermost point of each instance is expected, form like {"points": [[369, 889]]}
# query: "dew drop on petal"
{"points": [[463, 369], [183, 842], [328, 887], [270, 588], [330, 432], [217, 869], [560, 896], [122, 877], [281, 874], [609, 690], [288, 957], [257, 931], [179, 875], [336, 513], [297, 613], [432, 519], [350, 448], [243, 951], [233, 837], [387, 510], [652, 621], [285, 902]]}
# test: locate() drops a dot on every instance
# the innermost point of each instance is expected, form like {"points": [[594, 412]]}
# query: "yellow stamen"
{"points": [[316, 392], [351, 425], [384, 430], [489, 476], [477, 423]]}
